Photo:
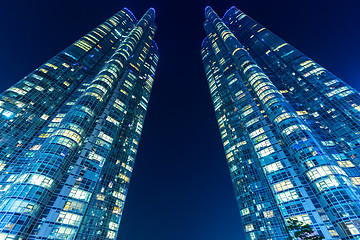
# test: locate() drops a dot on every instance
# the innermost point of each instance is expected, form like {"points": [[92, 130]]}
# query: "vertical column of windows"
{"points": [[117, 171], [246, 173], [71, 128], [293, 130], [329, 100]]}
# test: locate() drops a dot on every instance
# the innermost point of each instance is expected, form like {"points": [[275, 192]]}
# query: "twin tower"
{"points": [[70, 132]]}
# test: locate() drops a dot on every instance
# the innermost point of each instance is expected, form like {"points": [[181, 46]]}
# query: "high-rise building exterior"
{"points": [[70, 132], [290, 131]]}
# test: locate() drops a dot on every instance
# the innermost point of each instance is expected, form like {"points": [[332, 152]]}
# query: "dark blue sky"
{"points": [[180, 187]]}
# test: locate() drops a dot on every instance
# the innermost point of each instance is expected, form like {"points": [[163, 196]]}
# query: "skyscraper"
{"points": [[290, 131], [70, 132]]}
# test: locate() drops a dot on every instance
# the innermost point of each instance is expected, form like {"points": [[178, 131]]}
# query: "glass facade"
{"points": [[290, 131], [70, 132]]}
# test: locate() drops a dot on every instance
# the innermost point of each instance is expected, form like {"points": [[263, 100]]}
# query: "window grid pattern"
{"points": [[73, 158], [256, 84]]}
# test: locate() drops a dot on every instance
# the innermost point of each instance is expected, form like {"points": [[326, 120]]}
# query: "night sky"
{"points": [[180, 188]]}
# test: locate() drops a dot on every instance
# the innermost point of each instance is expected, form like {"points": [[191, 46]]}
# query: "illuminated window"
{"points": [[252, 121], [355, 180], [115, 122], [281, 186], [44, 116], [349, 228], [65, 142], [80, 194], [269, 214], [337, 91], [333, 233], [294, 128], [124, 92], [61, 232], [105, 137], [331, 82], [119, 195], [300, 113], [247, 112], [245, 211], [103, 89], [324, 171], [326, 183], [44, 135], [249, 228], [328, 143], [273, 167], [287, 196], [124, 177], [57, 120], [68, 133], [280, 46], [36, 77], [75, 206], [127, 167], [262, 145], [303, 218], [94, 156], [113, 226], [100, 197], [51, 65], [345, 164], [19, 104], [111, 234], [35, 147], [265, 152], [256, 132], [17, 90], [40, 180], [69, 218], [7, 113], [96, 95], [18, 206], [39, 88]]}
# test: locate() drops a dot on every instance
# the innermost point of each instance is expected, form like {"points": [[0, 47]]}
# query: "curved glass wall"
{"points": [[70, 133], [289, 129]]}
